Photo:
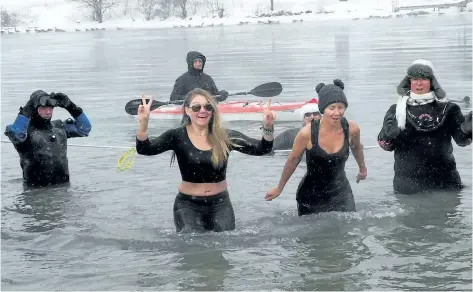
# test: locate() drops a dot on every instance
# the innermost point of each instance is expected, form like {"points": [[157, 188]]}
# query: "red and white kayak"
{"points": [[240, 110]]}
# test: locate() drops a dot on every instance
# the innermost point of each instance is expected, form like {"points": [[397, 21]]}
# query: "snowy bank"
{"points": [[39, 16]]}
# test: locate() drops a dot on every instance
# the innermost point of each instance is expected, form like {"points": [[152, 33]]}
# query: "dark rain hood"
{"points": [[191, 56], [37, 97]]}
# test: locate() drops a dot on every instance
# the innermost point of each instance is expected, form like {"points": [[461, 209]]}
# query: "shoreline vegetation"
{"points": [[38, 21]]}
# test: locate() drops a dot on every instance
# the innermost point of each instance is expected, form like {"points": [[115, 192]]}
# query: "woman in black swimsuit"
{"points": [[327, 141], [202, 146]]}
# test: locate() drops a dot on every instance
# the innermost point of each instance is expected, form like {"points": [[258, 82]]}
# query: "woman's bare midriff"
{"points": [[202, 189]]}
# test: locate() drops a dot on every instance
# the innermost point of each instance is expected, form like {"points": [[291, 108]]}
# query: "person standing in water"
{"points": [[326, 142], [202, 146], [309, 112], [419, 129], [196, 78], [42, 143]]}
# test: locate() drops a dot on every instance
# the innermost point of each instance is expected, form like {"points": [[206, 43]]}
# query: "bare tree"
{"points": [[181, 5], [99, 7], [126, 7], [148, 8], [165, 9], [216, 6], [272, 5], [9, 19]]}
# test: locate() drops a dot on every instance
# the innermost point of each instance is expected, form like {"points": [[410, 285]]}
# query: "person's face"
{"points": [[45, 112], [308, 117], [200, 110], [334, 112], [198, 64], [420, 86]]}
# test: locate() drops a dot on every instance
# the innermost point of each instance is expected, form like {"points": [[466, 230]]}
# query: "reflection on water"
{"points": [[45, 207]]}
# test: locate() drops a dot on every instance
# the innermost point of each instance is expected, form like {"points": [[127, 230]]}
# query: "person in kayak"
{"points": [[419, 129], [42, 143], [326, 142], [196, 78], [202, 146], [309, 112]]}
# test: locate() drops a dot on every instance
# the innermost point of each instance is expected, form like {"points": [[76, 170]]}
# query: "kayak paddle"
{"points": [[131, 107], [269, 89]]}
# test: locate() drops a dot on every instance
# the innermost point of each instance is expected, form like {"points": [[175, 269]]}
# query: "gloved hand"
{"points": [[466, 125], [223, 95], [62, 99], [391, 130], [65, 102], [30, 107]]}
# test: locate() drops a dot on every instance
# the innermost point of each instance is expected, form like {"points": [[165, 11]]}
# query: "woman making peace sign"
{"points": [[202, 146]]}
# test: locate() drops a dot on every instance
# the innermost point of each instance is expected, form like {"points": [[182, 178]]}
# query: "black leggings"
{"points": [[200, 214], [342, 201]]}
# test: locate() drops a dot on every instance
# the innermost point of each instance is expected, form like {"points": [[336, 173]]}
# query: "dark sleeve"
{"points": [[456, 118], [383, 140], [157, 145], [18, 131], [213, 87], [178, 91], [285, 140], [79, 127], [247, 145]]}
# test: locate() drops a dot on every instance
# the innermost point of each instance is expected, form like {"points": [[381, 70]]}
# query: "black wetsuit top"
{"points": [[325, 186], [285, 140], [42, 146], [423, 151], [195, 165]]}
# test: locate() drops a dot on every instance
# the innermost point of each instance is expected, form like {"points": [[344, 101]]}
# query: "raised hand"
{"points": [[268, 115], [144, 109], [62, 99]]}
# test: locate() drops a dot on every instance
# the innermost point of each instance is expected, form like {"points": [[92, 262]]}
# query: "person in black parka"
{"points": [[419, 129], [196, 78]]}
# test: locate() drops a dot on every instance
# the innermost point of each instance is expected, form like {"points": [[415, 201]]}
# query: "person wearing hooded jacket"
{"points": [[42, 143], [196, 78], [285, 140], [419, 129]]}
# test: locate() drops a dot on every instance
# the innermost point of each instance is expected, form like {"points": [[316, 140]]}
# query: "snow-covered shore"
{"points": [[37, 16]]}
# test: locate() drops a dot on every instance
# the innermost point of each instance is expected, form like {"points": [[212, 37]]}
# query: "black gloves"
{"points": [[466, 125], [223, 95], [30, 108], [65, 102], [62, 100], [390, 129]]}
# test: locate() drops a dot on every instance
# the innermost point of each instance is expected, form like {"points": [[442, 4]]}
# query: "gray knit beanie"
{"points": [[331, 93]]}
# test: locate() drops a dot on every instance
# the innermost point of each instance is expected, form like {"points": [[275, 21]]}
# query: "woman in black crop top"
{"points": [[202, 146], [325, 186]]}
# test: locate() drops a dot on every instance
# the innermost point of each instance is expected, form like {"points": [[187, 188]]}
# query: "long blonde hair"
{"points": [[217, 134]]}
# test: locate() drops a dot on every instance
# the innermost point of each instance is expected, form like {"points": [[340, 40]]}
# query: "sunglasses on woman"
{"points": [[196, 107], [311, 114]]}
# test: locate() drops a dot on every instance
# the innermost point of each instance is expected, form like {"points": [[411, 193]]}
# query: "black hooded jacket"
{"points": [[193, 79]]}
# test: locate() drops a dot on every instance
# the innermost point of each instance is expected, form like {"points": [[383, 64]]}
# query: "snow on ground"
{"points": [[67, 15]]}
